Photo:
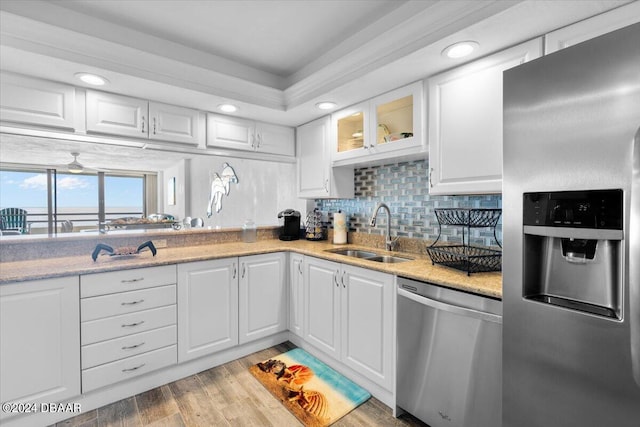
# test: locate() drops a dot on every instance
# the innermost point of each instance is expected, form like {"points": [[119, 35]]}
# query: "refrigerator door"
{"points": [[570, 119]]}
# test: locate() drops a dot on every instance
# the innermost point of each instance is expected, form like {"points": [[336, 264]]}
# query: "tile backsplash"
{"points": [[404, 187]]}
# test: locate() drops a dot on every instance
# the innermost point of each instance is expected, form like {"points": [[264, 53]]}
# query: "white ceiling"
{"points": [[275, 59]]}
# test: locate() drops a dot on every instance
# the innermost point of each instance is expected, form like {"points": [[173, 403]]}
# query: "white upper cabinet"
{"points": [[316, 178], [125, 116], [172, 123], [117, 115], [247, 135], [465, 123], [385, 127], [592, 27], [36, 102]]}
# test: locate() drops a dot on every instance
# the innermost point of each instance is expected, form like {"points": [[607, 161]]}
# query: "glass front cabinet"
{"points": [[383, 127]]}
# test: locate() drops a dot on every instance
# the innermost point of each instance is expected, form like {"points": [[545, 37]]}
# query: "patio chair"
{"points": [[14, 219]]}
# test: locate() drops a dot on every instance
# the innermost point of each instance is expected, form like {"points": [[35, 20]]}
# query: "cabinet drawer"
{"points": [[130, 367], [126, 280], [127, 324], [127, 302], [131, 345]]}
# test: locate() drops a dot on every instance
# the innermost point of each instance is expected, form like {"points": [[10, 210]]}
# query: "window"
{"points": [[58, 202]]}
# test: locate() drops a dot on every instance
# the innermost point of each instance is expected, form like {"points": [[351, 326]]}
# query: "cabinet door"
{"points": [[36, 102], [263, 304], [275, 139], [229, 132], [316, 177], [367, 330], [296, 294], [322, 305], [350, 133], [40, 341], [465, 123], [207, 307], [172, 123], [117, 115], [396, 120], [592, 27]]}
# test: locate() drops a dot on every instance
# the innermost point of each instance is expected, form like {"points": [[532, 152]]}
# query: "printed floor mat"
{"points": [[316, 394]]}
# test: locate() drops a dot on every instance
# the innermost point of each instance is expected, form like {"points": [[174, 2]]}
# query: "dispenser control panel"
{"points": [[601, 209]]}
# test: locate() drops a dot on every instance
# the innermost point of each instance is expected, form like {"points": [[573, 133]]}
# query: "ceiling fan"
{"points": [[76, 167]]}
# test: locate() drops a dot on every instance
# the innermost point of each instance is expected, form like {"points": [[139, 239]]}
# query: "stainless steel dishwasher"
{"points": [[449, 367]]}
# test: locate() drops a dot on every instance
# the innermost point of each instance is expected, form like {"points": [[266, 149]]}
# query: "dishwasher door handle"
{"points": [[455, 309]]}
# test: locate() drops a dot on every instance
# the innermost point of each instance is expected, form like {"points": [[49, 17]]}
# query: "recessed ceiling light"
{"points": [[227, 108], [326, 105], [460, 49], [92, 79]]}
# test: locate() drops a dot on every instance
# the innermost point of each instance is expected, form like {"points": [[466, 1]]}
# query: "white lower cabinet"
{"points": [[263, 308], [296, 294], [128, 324], [39, 341], [349, 315], [207, 307]]}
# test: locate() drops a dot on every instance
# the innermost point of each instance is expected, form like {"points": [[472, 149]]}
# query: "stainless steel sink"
{"points": [[369, 256], [388, 259], [353, 253]]}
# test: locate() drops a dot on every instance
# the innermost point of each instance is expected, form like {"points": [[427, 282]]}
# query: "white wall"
{"points": [[263, 190]]}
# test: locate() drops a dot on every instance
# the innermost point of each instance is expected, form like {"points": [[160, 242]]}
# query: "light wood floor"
{"points": [[227, 395]]}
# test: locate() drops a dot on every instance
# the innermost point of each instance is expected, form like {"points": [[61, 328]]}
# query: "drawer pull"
{"points": [[130, 325], [132, 302], [133, 369], [129, 347], [140, 279]]}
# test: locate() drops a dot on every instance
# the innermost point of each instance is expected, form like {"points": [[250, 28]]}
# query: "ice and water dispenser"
{"points": [[573, 252]]}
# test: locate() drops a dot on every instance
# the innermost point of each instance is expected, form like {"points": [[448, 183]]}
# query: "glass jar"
{"points": [[249, 232]]}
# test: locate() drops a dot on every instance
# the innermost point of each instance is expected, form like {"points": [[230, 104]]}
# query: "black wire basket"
{"points": [[471, 259], [465, 257]]}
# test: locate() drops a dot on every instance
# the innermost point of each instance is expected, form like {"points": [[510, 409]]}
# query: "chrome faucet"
{"points": [[389, 242]]}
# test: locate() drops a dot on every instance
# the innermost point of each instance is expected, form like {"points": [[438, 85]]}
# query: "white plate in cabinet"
{"points": [[36, 102], [118, 326], [131, 345], [127, 302], [130, 367], [465, 123], [126, 280]]}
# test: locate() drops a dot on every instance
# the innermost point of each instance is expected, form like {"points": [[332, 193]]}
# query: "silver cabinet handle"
{"points": [[342, 280], [133, 369], [132, 302], [326, 185], [300, 267], [335, 278], [244, 269], [430, 180], [154, 125], [129, 347], [131, 325], [140, 279], [235, 270], [143, 119]]}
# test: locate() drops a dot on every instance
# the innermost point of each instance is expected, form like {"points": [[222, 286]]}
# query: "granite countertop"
{"points": [[419, 268]]}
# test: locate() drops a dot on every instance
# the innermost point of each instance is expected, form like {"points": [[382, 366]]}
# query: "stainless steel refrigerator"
{"points": [[571, 218]]}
